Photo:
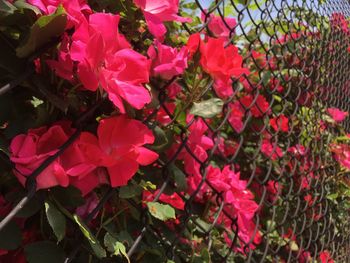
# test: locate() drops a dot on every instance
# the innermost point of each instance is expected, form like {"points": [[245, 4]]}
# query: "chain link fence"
{"points": [[298, 53]]}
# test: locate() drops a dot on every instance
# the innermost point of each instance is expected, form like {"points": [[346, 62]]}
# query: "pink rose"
{"points": [[167, 62], [156, 12], [119, 147], [29, 151], [220, 27], [337, 115], [119, 70]]}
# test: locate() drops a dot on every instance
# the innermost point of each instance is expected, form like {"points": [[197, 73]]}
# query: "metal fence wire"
{"points": [[303, 48]]}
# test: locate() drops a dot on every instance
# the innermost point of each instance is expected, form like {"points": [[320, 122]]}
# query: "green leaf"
{"points": [[94, 243], [179, 177], [42, 32], [161, 139], [208, 108], [6, 8], [68, 196], [129, 191], [160, 211], [21, 4], [56, 220], [10, 236], [114, 246], [43, 252]]}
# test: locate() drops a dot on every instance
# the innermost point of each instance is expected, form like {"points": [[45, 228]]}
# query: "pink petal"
{"points": [[155, 26], [146, 156]]}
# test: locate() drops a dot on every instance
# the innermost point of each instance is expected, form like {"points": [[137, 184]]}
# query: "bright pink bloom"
{"points": [[198, 144], [167, 62], [297, 150], [75, 9], [218, 27], [239, 201], [326, 257], [270, 150], [158, 11], [120, 70], [174, 200], [64, 66], [341, 153], [29, 151], [337, 115], [280, 123], [236, 116], [221, 64], [119, 147], [258, 106]]}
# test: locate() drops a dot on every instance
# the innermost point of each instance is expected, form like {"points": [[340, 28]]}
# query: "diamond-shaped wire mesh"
{"points": [[298, 54]]}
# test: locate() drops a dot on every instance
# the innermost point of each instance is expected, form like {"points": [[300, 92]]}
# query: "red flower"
{"points": [[119, 147], [236, 116], [193, 44], [271, 150], [280, 123], [221, 64], [325, 257], [174, 200], [258, 106]]}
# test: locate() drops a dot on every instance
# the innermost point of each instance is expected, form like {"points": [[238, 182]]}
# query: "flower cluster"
{"points": [[213, 134]]}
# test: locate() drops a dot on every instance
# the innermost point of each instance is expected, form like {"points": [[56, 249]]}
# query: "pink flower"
{"points": [[120, 70], [219, 27], [280, 123], [221, 64], [198, 144], [119, 147], [29, 151], [239, 201], [326, 257], [156, 12], [167, 62], [75, 9], [341, 153], [64, 66], [270, 150], [337, 115]]}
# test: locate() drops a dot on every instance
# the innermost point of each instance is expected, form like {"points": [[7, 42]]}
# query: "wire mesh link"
{"points": [[301, 46]]}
